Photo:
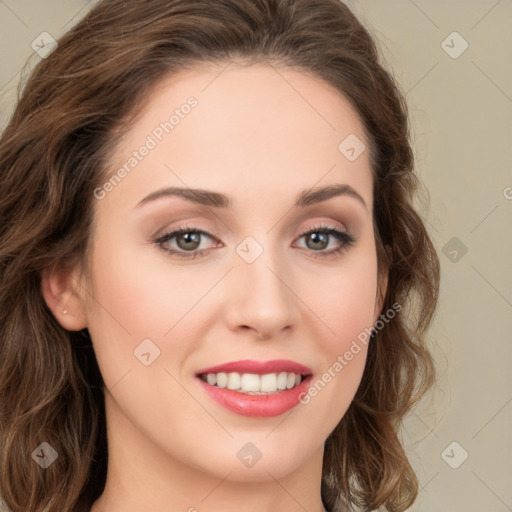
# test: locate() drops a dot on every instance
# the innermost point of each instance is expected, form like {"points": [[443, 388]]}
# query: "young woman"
{"points": [[214, 288]]}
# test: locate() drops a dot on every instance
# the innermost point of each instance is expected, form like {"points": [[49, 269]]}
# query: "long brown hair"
{"points": [[54, 152]]}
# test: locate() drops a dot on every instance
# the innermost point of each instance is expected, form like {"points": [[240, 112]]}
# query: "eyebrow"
{"points": [[218, 200]]}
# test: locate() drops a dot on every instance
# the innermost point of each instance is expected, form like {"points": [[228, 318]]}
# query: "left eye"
{"points": [[320, 238], [188, 240]]}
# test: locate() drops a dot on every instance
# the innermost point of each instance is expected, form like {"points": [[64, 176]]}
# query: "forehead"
{"points": [[258, 126]]}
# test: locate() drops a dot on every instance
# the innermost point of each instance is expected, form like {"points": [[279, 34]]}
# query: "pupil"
{"points": [[318, 238], [189, 238]]}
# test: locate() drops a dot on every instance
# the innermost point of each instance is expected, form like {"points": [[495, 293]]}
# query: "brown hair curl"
{"points": [[53, 154]]}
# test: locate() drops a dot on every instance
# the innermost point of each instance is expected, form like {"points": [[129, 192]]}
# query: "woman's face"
{"points": [[245, 294]]}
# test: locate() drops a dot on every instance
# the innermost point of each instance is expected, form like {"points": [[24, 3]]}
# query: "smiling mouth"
{"points": [[252, 383]]}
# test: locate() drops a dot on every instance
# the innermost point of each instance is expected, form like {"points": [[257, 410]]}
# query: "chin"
{"points": [[261, 460]]}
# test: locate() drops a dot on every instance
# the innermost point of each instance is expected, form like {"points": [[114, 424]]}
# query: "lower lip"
{"points": [[257, 405]]}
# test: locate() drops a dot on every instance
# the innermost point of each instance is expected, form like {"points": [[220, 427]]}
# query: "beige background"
{"points": [[461, 110]]}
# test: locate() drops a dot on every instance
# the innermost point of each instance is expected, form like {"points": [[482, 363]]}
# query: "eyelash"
{"points": [[345, 239]]}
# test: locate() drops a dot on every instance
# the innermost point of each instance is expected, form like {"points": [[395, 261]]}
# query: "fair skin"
{"points": [[261, 142]]}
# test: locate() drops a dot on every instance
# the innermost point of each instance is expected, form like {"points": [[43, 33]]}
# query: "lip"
{"points": [[258, 367], [257, 405]]}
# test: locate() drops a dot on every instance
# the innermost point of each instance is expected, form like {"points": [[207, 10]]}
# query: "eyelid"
{"points": [[320, 226], [344, 237], [210, 232]]}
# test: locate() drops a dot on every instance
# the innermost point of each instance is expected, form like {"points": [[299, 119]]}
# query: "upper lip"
{"points": [[258, 367]]}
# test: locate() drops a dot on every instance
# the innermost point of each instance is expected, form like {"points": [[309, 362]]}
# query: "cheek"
{"points": [[141, 293], [345, 301], [345, 305], [136, 297], [350, 317]]}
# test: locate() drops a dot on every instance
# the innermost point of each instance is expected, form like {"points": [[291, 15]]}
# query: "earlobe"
{"points": [[60, 290]]}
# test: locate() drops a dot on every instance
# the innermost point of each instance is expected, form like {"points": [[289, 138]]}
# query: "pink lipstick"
{"points": [[256, 388]]}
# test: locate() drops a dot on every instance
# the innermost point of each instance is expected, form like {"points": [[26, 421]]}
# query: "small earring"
{"points": [[64, 311]]}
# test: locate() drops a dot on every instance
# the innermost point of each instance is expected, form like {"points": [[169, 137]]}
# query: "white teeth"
{"points": [[268, 382], [222, 380], [233, 380], [282, 379], [252, 383]]}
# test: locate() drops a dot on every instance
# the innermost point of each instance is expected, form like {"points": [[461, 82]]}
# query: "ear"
{"points": [[63, 294]]}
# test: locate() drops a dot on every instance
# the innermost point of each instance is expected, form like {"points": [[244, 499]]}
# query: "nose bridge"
{"points": [[261, 298]]}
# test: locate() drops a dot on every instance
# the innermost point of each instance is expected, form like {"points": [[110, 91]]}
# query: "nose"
{"points": [[260, 298]]}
